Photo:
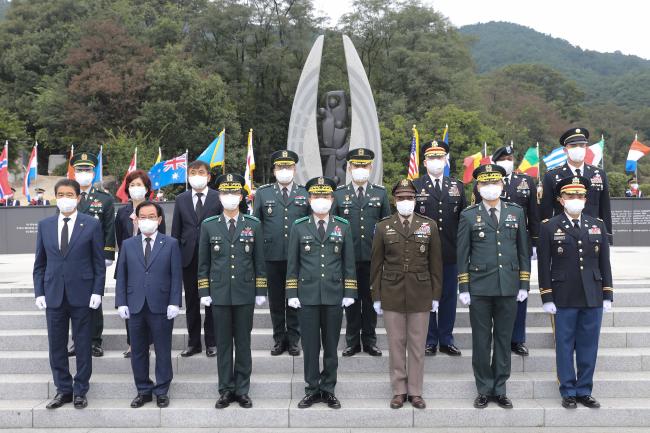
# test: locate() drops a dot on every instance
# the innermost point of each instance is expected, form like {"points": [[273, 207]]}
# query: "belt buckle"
{"points": [[406, 268]]}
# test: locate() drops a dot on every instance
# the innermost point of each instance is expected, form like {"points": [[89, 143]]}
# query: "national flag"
{"points": [[530, 162], [70, 174], [214, 154], [99, 171], [5, 187], [158, 159], [636, 152], [414, 158], [595, 152], [250, 163], [470, 163], [31, 171], [121, 191], [445, 139], [555, 159], [169, 172]]}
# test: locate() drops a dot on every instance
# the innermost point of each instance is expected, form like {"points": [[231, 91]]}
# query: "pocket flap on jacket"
{"points": [[390, 276], [477, 266], [558, 276], [423, 276]]}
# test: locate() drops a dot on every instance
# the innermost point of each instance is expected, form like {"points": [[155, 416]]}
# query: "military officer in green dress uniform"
{"points": [[99, 205], [321, 279], [494, 271], [362, 204], [232, 279], [277, 206]]}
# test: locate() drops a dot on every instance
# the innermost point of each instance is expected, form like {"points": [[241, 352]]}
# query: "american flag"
{"points": [[414, 167]]}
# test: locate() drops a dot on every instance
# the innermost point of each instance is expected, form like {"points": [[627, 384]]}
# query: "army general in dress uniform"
{"points": [[362, 204], [232, 279], [277, 206], [321, 279], [575, 281], [494, 271]]}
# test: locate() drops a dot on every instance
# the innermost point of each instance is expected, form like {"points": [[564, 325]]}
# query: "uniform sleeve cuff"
{"points": [[547, 295], [608, 293]]}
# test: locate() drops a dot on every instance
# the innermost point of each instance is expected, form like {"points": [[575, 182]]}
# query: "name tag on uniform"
{"points": [[559, 235]]}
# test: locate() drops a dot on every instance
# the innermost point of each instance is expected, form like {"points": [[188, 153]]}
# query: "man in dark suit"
{"points": [[191, 208], [69, 275], [148, 292]]}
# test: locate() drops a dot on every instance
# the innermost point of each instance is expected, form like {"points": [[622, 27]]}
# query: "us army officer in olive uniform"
{"points": [[321, 280], [494, 271], [406, 275], [278, 205], [232, 279], [362, 204]]}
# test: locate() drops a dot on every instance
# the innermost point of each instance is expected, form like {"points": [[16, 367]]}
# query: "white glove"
{"points": [[346, 302], [549, 307], [465, 298], [172, 311], [123, 311], [108, 262], [95, 301], [260, 300], [607, 306], [522, 295], [534, 256], [377, 306], [434, 306], [40, 303], [206, 301], [293, 302]]}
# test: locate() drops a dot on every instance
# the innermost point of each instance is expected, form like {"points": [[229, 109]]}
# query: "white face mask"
{"points": [[577, 154], [360, 175], [634, 185], [405, 207], [490, 192], [435, 166], [284, 175], [84, 178], [137, 192], [148, 227], [229, 201], [66, 205], [320, 205], [507, 166], [198, 182], [574, 206]]}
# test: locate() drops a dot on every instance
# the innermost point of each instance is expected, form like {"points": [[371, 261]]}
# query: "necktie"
{"points": [[576, 224], [147, 251], [360, 193], [231, 228], [406, 226], [199, 205], [321, 229], [437, 187], [285, 194], [493, 215], [578, 172], [64, 236]]}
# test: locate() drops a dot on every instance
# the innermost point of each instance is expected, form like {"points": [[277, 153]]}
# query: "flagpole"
{"points": [[539, 165], [602, 158], [484, 149], [187, 154]]}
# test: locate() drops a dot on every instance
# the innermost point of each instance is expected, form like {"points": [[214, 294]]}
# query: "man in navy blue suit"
{"points": [[148, 292], [69, 275]]}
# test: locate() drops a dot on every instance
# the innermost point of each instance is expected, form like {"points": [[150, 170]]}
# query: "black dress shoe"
{"points": [[244, 401], [59, 400], [127, 354], [225, 400], [190, 351], [80, 401], [481, 401], [71, 350], [430, 351], [569, 403], [211, 351], [372, 350], [294, 350], [588, 401], [450, 350], [308, 400], [351, 350], [278, 349], [98, 352], [331, 400], [140, 400], [503, 401], [519, 348], [162, 400]]}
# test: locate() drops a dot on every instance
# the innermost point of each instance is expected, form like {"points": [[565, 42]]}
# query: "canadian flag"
{"points": [[121, 192]]}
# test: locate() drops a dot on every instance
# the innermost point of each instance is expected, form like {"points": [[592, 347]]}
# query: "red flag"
{"points": [[121, 191], [5, 188]]}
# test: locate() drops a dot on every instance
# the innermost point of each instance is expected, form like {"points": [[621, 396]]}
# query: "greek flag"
{"points": [[554, 159]]}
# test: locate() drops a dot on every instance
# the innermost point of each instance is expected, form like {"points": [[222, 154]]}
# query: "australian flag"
{"points": [[168, 172]]}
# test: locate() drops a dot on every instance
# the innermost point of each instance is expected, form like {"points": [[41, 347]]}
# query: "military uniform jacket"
{"points": [[574, 268], [100, 205], [321, 272], [231, 271], [362, 214], [444, 209], [277, 217], [493, 261], [598, 205], [406, 268]]}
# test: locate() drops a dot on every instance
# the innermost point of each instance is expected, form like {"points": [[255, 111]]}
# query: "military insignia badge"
{"points": [[307, 248], [216, 248], [453, 191], [560, 250], [247, 248], [481, 234], [422, 248]]}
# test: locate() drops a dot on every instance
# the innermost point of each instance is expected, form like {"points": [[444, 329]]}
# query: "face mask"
{"points": [[490, 192], [360, 175], [574, 206], [198, 182], [66, 205], [434, 166], [229, 201], [577, 154], [284, 176], [321, 205], [137, 192], [405, 207], [507, 166], [84, 178], [634, 185], [148, 227]]}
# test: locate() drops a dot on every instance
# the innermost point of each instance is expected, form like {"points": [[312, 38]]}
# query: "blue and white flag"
{"points": [[555, 159]]}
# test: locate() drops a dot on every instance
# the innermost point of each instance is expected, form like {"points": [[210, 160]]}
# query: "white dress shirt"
{"points": [[153, 240], [195, 197], [326, 220], [497, 207], [71, 223], [581, 168]]}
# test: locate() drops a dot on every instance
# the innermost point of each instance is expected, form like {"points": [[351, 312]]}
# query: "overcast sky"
{"points": [[607, 26]]}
